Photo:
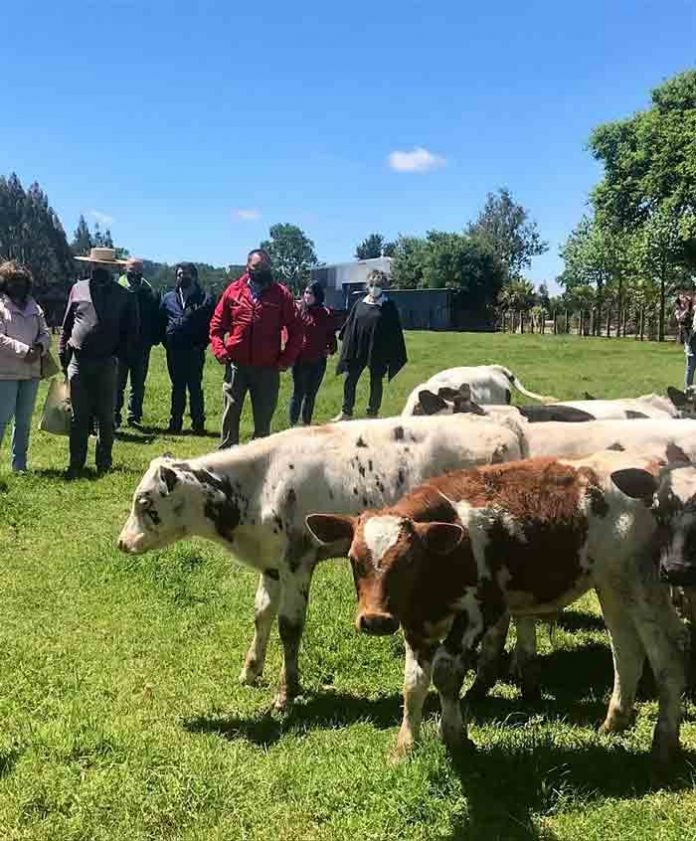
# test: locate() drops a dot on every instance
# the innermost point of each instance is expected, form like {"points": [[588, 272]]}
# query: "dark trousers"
{"points": [[185, 366], [377, 373], [136, 368], [262, 383], [92, 395], [306, 379]]}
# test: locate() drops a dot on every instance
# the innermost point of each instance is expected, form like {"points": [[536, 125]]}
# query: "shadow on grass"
{"points": [[134, 437], [8, 760], [506, 786], [580, 621]]}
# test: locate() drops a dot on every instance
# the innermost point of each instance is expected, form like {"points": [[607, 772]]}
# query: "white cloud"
{"points": [[102, 218], [417, 160], [248, 214]]}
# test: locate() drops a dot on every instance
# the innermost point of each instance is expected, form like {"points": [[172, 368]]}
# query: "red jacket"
{"points": [[319, 333], [252, 327]]}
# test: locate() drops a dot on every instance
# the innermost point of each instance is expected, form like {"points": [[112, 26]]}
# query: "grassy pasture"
{"points": [[120, 712]]}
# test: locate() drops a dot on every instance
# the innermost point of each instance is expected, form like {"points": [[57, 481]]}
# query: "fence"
{"points": [[641, 323]]}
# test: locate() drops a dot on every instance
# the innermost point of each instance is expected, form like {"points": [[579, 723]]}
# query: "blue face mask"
{"points": [[374, 291]]}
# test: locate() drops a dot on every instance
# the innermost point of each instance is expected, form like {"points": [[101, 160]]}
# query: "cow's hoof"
{"points": [[617, 722], [665, 756], [401, 750], [250, 674]]}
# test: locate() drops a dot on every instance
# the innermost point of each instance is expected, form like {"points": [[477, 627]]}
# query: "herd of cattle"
{"points": [[454, 524]]}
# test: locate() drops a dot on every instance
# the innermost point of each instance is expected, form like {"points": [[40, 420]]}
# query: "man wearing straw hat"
{"points": [[99, 327]]}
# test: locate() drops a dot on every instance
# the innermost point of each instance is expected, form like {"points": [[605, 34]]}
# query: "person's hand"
{"points": [[32, 354]]}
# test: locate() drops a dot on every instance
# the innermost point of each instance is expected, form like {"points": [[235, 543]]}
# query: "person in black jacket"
{"points": [[185, 313], [99, 328], [371, 338], [137, 366]]}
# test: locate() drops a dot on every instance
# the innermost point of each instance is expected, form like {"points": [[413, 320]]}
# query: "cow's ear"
{"points": [[677, 397], [330, 528], [168, 479], [675, 455], [465, 406], [448, 393], [465, 391], [440, 538], [635, 483], [431, 403], [589, 396]]}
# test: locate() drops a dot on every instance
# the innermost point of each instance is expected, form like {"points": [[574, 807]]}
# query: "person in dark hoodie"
{"points": [[310, 365], [186, 312], [137, 367], [99, 328], [371, 338]]}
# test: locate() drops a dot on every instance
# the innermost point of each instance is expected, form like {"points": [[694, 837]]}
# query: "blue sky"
{"points": [[190, 132]]}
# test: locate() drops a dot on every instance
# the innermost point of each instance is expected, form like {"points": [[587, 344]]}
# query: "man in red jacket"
{"points": [[245, 336]]}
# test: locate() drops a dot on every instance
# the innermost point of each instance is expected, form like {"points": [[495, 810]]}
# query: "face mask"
{"points": [[101, 276], [133, 278], [261, 276], [309, 299], [17, 291], [374, 291], [185, 281]]}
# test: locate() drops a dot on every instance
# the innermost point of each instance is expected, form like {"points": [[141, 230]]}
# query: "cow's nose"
{"points": [[378, 624], [122, 545]]}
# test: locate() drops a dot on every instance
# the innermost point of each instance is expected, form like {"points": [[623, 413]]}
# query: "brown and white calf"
{"points": [[484, 384], [453, 556], [253, 499]]}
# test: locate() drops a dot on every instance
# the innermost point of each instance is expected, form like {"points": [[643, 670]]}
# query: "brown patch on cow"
{"points": [[398, 433], [632, 414], [675, 455], [617, 447], [360, 442], [498, 455]]}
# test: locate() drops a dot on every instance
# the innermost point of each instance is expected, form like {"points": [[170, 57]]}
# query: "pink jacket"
{"points": [[19, 330]]}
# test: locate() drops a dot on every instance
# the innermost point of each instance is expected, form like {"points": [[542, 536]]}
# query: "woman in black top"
{"points": [[371, 338]]}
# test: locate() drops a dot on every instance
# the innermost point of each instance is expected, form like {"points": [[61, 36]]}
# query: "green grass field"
{"points": [[121, 716]]}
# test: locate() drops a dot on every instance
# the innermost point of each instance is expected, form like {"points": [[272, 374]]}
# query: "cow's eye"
{"points": [[143, 502]]}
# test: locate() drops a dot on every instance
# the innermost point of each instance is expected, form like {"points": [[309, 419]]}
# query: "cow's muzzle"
{"points": [[377, 624]]}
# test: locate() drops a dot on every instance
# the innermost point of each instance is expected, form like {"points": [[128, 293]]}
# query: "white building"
{"points": [[340, 280]]}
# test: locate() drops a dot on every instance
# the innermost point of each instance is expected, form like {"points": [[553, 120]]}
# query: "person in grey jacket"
{"points": [[99, 328], [24, 339]]}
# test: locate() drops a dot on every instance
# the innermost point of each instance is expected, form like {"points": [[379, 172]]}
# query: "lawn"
{"points": [[121, 716]]}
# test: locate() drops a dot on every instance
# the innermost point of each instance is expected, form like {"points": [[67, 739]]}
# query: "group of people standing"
{"points": [[256, 331]]}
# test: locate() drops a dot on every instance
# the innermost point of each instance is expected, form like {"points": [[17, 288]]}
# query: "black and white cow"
{"points": [[486, 384], [253, 499]]}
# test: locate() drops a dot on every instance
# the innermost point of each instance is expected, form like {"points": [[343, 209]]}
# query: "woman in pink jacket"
{"points": [[24, 338]]}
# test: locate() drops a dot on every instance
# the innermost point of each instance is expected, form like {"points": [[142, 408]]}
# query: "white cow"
{"points": [[446, 401], [487, 384], [253, 499]]}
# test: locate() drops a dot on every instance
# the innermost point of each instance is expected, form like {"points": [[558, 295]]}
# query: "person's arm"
{"points": [[293, 324], [220, 325], [130, 329], [331, 343], [10, 346], [397, 345], [44, 337], [66, 331]]}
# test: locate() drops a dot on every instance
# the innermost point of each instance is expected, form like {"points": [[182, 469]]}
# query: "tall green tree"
{"points": [[292, 253], [408, 263], [370, 247], [507, 230], [31, 232], [82, 240], [649, 164]]}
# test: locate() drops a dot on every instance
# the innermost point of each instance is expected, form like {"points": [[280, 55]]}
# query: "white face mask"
{"points": [[374, 291]]}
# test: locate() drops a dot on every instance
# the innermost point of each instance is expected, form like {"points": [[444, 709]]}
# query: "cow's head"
{"points": [[683, 401], [174, 500], [671, 494], [386, 553], [447, 401]]}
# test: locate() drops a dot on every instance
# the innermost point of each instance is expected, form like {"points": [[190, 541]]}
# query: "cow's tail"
{"points": [[543, 398]]}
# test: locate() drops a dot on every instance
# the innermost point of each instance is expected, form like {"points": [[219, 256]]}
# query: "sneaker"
{"points": [[73, 473], [341, 416], [103, 469], [371, 415], [174, 429]]}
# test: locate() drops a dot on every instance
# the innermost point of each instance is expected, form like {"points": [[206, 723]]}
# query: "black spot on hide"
{"points": [[398, 433], [360, 442]]}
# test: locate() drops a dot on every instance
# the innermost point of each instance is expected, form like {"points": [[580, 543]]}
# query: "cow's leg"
{"points": [[525, 665], [296, 577], [449, 669], [266, 607], [490, 655], [666, 642], [628, 654], [417, 673]]}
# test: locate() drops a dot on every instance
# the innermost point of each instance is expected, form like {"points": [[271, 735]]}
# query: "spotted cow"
{"points": [[449, 401], [486, 384], [253, 499], [454, 555]]}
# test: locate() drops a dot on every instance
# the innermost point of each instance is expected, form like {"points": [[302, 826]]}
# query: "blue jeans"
{"points": [[17, 399], [690, 366]]}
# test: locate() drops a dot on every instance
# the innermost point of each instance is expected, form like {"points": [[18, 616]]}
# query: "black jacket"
{"points": [[372, 337], [186, 326], [148, 311]]}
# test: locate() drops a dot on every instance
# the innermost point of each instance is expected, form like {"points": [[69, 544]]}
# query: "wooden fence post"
{"points": [[554, 315], [567, 322], [642, 323]]}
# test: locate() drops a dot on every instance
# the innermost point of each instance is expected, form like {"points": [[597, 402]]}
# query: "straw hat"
{"points": [[102, 257]]}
